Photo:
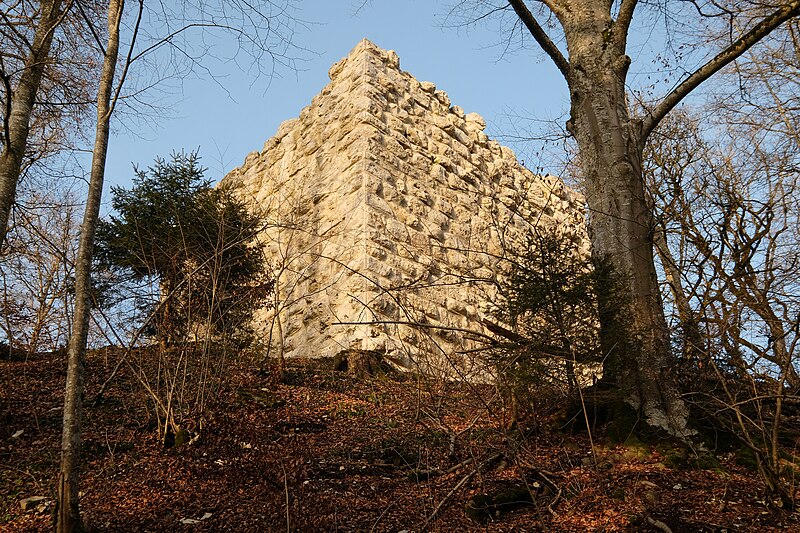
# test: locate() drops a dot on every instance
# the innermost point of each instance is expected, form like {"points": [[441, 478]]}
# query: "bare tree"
{"points": [[725, 191], [19, 101], [36, 271], [588, 42], [46, 69], [262, 31]]}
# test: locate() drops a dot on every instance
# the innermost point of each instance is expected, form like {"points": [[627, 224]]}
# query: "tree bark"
{"points": [[634, 333], [68, 513], [20, 108]]}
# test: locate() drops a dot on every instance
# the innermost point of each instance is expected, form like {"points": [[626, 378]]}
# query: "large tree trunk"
{"points": [[634, 333], [68, 515], [610, 147], [19, 108]]}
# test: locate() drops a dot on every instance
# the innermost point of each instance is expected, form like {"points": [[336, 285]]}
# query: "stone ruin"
{"points": [[390, 212]]}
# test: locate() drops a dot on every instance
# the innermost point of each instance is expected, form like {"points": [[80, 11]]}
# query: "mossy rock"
{"points": [[708, 461], [485, 507], [679, 458], [634, 450], [747, 458], [265, 399]]}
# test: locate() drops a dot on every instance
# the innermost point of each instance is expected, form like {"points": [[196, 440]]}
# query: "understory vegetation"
{"points": [[329, 450], [193, 431], [641, 377]]}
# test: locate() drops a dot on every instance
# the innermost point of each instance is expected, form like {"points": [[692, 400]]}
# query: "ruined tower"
{"points": [[389, 212]]}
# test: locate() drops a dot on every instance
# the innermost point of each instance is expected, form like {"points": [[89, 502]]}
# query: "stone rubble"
{"points": [[390, 211]]}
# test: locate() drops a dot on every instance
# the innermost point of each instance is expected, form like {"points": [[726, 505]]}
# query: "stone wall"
{"points": [[390, 212]]}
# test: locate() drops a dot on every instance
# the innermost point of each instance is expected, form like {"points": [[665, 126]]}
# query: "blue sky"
{"points": [[226, 124]]}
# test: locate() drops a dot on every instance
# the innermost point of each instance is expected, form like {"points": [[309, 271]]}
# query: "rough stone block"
{"points": [[380, 184]]}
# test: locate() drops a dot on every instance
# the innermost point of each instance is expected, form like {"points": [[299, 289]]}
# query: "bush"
{"points": [[548, 299], [197, 245]]}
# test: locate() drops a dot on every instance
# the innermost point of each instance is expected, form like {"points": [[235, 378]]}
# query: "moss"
{"points": [[680, 458], [747, 458], [707, 461], [181, 437], [635, 453], [677, 458]]}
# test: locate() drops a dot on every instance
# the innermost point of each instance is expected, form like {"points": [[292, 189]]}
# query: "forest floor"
{"points": [[350, 454]]}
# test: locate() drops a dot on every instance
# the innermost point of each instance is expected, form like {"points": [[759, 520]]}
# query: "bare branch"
{"points": [[733, 51], [623, 23], [128, 59], [542, 38]]}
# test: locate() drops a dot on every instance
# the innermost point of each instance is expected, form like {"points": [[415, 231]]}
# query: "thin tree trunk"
{"points": [[693, 345], [19, 107], [68, 515]]}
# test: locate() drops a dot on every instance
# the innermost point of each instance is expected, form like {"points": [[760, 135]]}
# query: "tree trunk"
{"points": [[19, 106], [610, 146], [634, 333], [68, 515], [694, 346]]}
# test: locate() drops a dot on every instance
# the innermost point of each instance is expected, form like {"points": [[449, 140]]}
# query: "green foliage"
{"points": [[549, 300], [196, 241]]}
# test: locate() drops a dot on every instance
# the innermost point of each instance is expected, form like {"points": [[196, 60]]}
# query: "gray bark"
{"points": [[68, 515], [19, 108], [610, 143]]}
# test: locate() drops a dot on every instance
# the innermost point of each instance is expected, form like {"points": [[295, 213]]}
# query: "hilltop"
{"points": [[352, 453]]}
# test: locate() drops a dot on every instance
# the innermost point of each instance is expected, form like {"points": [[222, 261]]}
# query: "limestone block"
{"points": [[380, 183], [443, 98], [475, 122], [427, 87]]}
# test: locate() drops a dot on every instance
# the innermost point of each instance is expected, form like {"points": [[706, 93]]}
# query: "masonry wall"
{"points": [[390, 211]]}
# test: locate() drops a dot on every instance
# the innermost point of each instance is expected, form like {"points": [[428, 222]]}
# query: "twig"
{"points": [[24, 472], [459, 466], [382, 515], [658, 524], [425, 475], [460, 484], [554, 502], [286, 491], [586, 416]]}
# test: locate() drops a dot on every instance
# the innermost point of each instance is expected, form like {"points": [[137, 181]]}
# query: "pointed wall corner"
{"points": [[383, 200]]}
